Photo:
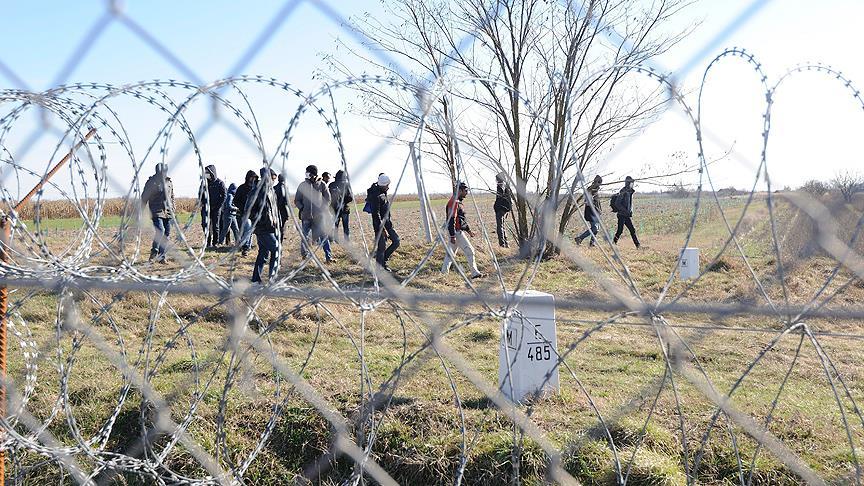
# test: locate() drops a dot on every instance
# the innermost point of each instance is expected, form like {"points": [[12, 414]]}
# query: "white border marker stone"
{"points": [[688, 266], [529, 343]]}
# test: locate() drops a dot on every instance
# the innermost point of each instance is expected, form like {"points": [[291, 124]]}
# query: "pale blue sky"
{"points": [[813, 121]]}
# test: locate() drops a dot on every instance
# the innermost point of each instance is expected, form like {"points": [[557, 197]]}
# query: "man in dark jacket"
{"points": [[158, 195], [313, 204], [282, 203], [503, 205], [261, 206], [379, 205], [341, 198], [624, 207], [211, 206], [240, 199], [457, 227], [592, 214]]}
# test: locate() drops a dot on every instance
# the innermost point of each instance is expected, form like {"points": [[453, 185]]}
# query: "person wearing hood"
{"points": [[313, 205], [341, 198], [592, 211], [211, 206], [503, 205], [282, 203], [240, 199], [229, 218], [262, 208], [623, 205], [158, 195], [457, 227], [379, 207]]}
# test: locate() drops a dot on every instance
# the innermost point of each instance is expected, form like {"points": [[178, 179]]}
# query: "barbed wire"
{"points": [[94, 277]]}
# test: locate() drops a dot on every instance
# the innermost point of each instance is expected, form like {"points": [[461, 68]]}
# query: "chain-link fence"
{"points": [[172, 368]]}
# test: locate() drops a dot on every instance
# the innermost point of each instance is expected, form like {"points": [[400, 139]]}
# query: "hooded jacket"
{"points": [[624, 202], [377, 200], [312, 200], [263, 211], [340, 194], [215, 191], [158, 194], [228, 208], [593, 192], [243, 191]]}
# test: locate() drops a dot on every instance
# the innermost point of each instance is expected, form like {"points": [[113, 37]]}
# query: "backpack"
{"points": [[367, 208], [613, 201]]}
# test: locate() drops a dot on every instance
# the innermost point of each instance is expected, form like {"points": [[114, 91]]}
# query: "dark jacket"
{"points": [[215, 195], [243, 191], [593, 192], [282, 200], [456, 217], [228, 207], [624, 202], [340, 195], [312, 200], [378, 202], [262, 207], [503, 197], [159, 196]]}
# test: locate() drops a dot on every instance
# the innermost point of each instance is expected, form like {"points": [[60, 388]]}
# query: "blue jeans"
{"points": [[268, 249], [310, 229], [590, 232], [162, 227], [229, 223], [246, 235]]}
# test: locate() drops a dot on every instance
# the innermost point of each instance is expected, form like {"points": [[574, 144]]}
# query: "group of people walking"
{"points": [[259, 207]]}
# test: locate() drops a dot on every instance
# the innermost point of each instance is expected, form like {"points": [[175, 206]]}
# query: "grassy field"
{"points": [[436, 412]]}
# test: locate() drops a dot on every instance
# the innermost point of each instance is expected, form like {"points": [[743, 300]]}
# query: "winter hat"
{"points": [[383, 180]]}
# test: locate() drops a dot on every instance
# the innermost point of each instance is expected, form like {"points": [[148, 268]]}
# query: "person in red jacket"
{"points": [[457, 227]]}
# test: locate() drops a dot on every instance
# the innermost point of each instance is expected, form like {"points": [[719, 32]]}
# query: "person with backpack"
{"points": [[622, 204], [211, 206], [313, 204], [158, 195], [240, 199], [592, 211], [503, 205], [457, 227], [378, 206], [229, 218], [262, 210], [282, 203], [341, 198]]}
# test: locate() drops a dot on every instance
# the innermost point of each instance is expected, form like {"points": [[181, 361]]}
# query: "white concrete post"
{"points": [[688, 266], [529, 345]]}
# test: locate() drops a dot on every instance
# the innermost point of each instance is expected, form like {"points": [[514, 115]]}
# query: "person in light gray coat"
{"points": [[313, 205], [158, 195]]}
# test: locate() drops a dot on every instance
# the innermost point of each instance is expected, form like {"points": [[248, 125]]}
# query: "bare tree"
{"points": [[815, 188], [554, 89], [848, 183]]}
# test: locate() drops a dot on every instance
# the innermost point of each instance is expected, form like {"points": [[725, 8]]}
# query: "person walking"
{"points": [[457, 227], [282, 203], [382, 224], [503, 205], [229, 218], [592, 214], [623, 206], [262, 210], [211, 206], [313, 204], [325, 178], [341, 198], [158, 195], [244, 222]]}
